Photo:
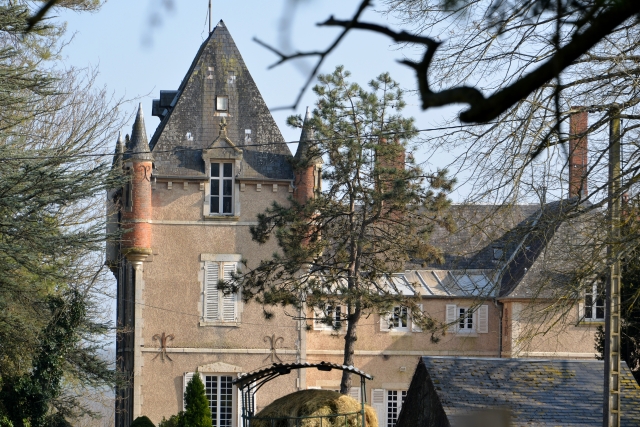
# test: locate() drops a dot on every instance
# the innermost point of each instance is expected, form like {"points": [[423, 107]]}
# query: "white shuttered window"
{"points": [[463, 320], [217, 306]]}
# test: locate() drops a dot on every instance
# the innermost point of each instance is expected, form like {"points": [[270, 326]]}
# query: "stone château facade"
{"points": [[215, 161]]}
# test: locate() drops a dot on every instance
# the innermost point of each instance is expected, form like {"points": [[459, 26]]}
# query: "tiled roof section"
{"points": [[306, 144], [481, 229], [557, 246], [192, 121], [537, 392], [119, 152], [138, 146]]}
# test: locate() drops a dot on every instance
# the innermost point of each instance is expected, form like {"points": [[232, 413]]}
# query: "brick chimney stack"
{"points": [[307, 178], [137, 210], [578, 154]]}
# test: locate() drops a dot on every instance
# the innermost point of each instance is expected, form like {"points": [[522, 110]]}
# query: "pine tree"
{"points": [[197, 412], [374, 213]]}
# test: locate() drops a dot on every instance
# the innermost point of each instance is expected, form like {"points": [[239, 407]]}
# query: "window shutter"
{"points": [[483, 319], [186, 378], [377, 402], [384, 322], [317, 323], [452, 319], [229, 302], [580, 311], [355, 393], [414, 327], [211, 301]]}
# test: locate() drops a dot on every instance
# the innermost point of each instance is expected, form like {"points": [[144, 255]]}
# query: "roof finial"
{"points": [[223, 126], [209, 16]]}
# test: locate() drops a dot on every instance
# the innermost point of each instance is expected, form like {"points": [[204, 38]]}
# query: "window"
{"points": [[387, 404], [395, 399], [594, 301], [334, 313], [498, 254], [468, 320], [219, 307], [220, 394], [399, 319], [219, 391], [221, 189], [222, 103]]}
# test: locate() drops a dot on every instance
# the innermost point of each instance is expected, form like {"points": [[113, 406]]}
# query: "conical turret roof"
{"points": [[119, 152], [307, 144], [139, 146]]}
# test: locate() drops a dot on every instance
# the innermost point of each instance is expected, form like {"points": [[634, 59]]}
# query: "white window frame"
{"points": [[399, 319], [479, 319], [233, 418], [382, 404], [318, 316], [588, 311], [466, 320], [220, 188], [217, 308], [203, 377]]}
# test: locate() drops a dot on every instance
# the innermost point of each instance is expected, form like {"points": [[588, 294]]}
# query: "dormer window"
{"points": [[221, 188], [222, 103]]}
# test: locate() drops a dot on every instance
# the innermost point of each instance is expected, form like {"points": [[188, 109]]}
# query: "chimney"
{"points": [[578, 153]]}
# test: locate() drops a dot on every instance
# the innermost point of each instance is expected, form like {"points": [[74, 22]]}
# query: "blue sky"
{"points": [[137, 59]]}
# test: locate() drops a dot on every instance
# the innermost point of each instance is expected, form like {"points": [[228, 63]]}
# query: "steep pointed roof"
{"points": [[307, 143], [138, 148], [117, 155], [192, 120]]}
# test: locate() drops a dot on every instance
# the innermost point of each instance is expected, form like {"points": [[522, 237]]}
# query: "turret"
{"points": [[307, 164], [137, 209], [113, 207]]}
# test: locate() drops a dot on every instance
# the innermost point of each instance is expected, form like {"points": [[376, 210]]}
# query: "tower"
{"points": [[308, 164], [133, 204]]}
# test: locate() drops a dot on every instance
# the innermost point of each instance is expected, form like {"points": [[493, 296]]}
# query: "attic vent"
{"points": [[498, 254], [247, 135], [189, 136], [209, 73], [232, 77]]}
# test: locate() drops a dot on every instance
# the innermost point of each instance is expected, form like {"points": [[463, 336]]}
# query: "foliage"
{"points": [[630, 327], [142, 421], [197, 412], [173, 421], [52, 324], [30, 396], [375, 212], [576, 26]]}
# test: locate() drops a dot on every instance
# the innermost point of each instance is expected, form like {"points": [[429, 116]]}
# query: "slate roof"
{"points": [[538, 392], [545, 251], [138, 147], [478, 230], [191, 122]]}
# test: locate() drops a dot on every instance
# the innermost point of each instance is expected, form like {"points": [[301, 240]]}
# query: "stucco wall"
{"points": [[547, 331]]}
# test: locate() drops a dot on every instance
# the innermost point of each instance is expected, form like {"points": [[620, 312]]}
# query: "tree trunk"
{"points": [[349, 347]]}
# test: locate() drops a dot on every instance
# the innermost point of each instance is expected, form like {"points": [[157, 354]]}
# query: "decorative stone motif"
{"points": [[163, 338]]}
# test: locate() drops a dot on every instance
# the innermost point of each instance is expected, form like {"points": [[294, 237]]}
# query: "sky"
{"points": [[141, 47]]}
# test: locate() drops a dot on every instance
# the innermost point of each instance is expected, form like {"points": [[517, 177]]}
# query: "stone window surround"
{"points": [[206, 208], [236, 258]]}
